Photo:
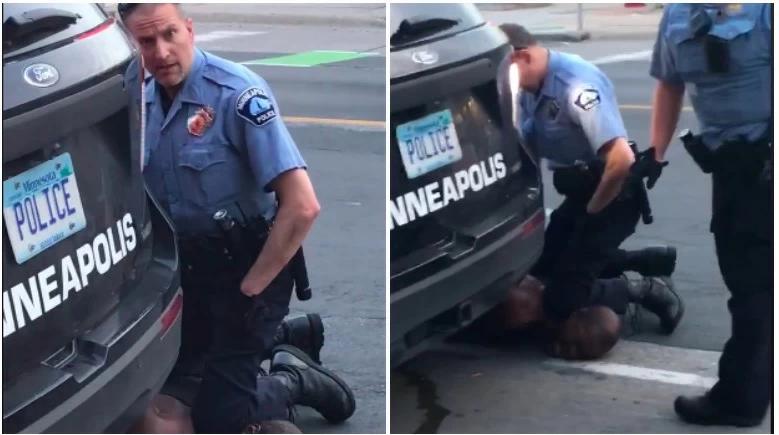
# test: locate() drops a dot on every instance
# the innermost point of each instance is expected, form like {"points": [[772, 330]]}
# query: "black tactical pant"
{"points": [[742, 223], [225, 337], [580, 262]]}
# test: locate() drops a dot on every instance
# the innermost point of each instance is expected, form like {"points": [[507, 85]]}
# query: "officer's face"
{"points": [[166, 41], [530, 75]]}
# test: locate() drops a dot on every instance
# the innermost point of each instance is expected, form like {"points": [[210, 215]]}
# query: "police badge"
{"points": [[200, 121]]}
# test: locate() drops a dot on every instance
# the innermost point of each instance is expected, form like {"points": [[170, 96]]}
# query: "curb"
{"points": [[288, 19], [572, 36], [271, 18]]}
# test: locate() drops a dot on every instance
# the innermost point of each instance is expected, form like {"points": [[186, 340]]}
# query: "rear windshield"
{"points": [[32, 26], [412, 24]]}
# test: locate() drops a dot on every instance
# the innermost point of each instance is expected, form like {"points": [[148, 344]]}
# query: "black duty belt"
{"points": [[580, 181], [237, 247]]}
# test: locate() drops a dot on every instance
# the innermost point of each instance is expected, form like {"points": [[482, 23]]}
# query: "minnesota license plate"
{"points": [[428, 143], [42, 206]]}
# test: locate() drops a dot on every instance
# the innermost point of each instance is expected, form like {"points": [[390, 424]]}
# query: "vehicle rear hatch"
{"points": [[444, 60], [64, 102]]}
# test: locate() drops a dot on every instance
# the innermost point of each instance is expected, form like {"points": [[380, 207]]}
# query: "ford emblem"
{"points": [[41, 75], [424, 57]]}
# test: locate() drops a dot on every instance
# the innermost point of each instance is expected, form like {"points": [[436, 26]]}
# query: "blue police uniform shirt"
{"points": [[574, 113], [728, 105], [222, 142]]}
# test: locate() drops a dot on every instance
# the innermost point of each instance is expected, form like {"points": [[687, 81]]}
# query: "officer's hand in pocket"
{"points": [[252, 284]]}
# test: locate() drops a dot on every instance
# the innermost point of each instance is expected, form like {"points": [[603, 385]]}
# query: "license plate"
{"points": [[428, 143], [42, 206]]}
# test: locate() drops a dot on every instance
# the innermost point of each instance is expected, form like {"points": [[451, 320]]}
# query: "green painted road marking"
{"points": [[310, 58]]}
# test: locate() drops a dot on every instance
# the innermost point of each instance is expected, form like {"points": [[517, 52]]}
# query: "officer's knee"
{"points": [[165, 415], [589, 333], [523, 305]]}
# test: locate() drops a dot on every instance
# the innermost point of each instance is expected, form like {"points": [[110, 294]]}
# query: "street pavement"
{"points": [[475, 384], [561, 21], [335, 113]]}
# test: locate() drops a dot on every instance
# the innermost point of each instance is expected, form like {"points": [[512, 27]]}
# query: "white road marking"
{"points": [[224, 34], [624, 57], [641, 373]]}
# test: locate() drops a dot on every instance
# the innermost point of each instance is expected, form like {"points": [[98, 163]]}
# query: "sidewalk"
{"points": [[318, 14], [558, 22]]}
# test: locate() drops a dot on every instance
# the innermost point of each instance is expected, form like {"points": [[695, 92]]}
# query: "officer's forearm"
{"points": [[608, 189], [298, 208], [289, 230], [665, 116], [619, 158]]}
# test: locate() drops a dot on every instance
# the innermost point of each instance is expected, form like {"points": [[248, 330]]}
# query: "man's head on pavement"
{"points": [[588, 333], [523, 305], [166, 39], [531, 58]]}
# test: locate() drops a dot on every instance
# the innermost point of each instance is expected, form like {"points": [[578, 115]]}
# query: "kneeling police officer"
{"points": [[722, 53], [569, 114], [216, 152]]}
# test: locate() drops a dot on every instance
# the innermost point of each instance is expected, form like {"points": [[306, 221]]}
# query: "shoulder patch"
{"points": [[587, 99], [255, 106]]}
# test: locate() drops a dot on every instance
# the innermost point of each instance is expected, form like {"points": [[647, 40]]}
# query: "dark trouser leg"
{"points": [[742, 226], [573, 274], [562, 224], [232, 396]]}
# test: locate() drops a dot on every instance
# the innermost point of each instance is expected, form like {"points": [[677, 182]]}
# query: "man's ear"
{"points": [[190, 28]]}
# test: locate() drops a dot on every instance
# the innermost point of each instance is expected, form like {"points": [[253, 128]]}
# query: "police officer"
{"points": [[215, 142], [569, 114], [723, 55]]}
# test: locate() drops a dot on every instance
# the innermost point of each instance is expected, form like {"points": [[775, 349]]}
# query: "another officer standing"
{"points": [[216, 146], [722, 54], [570, 117]]}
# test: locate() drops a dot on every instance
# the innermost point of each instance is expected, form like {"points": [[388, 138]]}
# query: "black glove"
{"points": [[649, 167]]}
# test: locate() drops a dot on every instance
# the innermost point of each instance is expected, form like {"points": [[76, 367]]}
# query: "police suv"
{"points": [[465, 206], [91, 297]]}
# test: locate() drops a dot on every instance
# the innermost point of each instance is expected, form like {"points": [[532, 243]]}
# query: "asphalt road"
{"points": [[335, 113], [474, 384]]}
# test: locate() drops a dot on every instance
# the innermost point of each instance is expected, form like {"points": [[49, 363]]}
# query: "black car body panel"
{"points": [[87, 328], [451, 263]]}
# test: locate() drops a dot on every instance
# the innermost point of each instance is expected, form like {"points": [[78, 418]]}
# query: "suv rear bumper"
{"points": [[452, 298], [117, 397]]}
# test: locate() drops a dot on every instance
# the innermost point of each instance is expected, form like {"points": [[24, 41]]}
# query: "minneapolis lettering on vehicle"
{"points": [[28, 211], [439, 194], [27, 301]]}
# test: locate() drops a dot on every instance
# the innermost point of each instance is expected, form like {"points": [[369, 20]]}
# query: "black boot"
{"points": [[653, 261], [307, 333], [657, 294], [704, 411], [312, 385]]}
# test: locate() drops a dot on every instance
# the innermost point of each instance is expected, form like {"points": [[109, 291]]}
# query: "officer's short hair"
{"points": [[519, 37], [126, 9]]}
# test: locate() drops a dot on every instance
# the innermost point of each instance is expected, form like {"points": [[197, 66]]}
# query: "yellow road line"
{"points": [[647, 107], [365, 123]]}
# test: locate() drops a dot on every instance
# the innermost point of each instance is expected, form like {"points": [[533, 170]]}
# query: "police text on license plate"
{"points": [[42, 206], [428, 143]]}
